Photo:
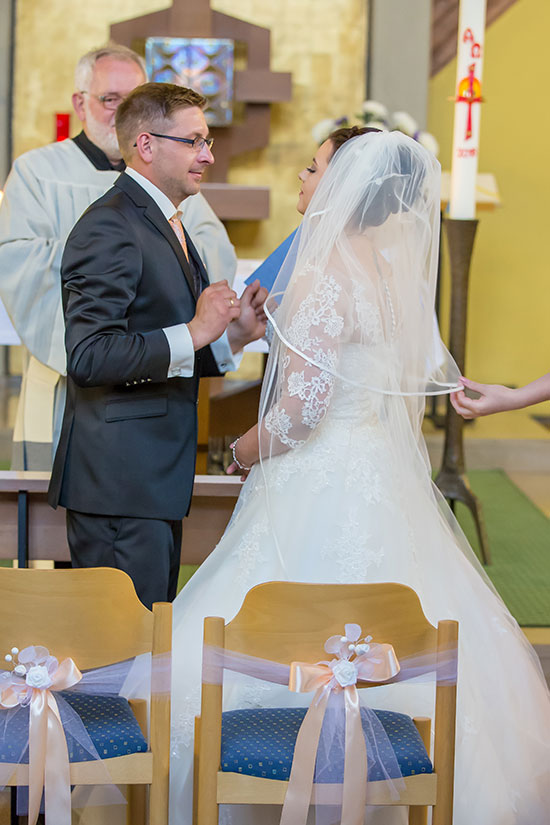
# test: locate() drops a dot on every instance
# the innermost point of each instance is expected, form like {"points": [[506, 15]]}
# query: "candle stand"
{"points": [[451, 479]]}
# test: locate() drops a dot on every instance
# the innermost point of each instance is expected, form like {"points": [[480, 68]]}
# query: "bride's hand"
{"points": [[239, 463], [233, 468]]}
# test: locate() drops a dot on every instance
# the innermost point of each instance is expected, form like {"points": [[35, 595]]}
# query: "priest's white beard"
{"points": [[103, 136]]}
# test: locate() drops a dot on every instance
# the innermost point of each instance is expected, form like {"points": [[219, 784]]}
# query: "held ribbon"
{"points": [[48, 755], [378, 664]]}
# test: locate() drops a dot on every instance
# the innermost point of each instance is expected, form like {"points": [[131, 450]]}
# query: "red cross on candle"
{"points": [[469, 91]]}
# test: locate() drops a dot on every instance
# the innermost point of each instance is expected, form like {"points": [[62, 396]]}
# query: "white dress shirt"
{"points": [[182, 351]]}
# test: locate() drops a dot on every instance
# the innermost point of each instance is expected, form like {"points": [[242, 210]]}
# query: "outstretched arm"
{"points": [[497, 398]]}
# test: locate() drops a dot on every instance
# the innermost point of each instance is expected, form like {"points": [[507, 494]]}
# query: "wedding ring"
{"points": [[231, 301]]}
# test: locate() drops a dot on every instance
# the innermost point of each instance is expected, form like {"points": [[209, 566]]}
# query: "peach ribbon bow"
{"points": [[355, 662], [48, 755]]}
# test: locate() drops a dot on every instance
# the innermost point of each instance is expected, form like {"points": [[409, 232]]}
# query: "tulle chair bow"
{"points": [[32, 683], [356, 660]]}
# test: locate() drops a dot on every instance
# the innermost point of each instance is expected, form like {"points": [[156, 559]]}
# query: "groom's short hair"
{"points": [[148, 108]]}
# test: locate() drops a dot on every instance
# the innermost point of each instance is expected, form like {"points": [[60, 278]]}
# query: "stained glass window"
{"points": [[203, 64]]}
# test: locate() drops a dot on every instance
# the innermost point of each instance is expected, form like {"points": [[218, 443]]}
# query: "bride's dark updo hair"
{"points": [[341, 136]]}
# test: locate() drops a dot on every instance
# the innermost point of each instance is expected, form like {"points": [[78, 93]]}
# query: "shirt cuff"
{"points": [[225, 359], [182, 352]]}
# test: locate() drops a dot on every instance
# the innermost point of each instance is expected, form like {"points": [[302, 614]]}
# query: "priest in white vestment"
{"points": [[46, 192]]}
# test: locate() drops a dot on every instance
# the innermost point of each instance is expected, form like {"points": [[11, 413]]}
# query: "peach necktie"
{"points": [[175, 223]]}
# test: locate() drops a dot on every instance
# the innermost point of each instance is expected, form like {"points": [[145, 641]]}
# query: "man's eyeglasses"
{"points": [[111, 101], [198, 143]]}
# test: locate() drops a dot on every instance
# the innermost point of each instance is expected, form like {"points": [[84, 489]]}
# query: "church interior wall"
{"points": [[510, 279], [323, 45]]}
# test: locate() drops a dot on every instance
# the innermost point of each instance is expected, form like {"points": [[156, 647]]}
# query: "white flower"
{"points": [[38, 677], [428, 141], [404, 122], [344, 672], [375, 109], [377, 124], [322, 130]]}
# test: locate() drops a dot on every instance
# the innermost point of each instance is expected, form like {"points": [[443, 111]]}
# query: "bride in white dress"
{"points": [[340, 487]]}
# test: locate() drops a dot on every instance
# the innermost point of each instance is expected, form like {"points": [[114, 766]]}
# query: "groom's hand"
{"points": [[217, 306], [250, 325]]}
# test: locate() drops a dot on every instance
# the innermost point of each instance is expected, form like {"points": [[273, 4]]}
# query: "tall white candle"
{"points": [[471, 43]]}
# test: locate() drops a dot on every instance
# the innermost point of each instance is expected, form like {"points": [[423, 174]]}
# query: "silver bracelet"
{"points": [[235, 459]]}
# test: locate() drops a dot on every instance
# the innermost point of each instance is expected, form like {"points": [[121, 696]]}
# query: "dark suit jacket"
{"points": [[129, 435]]}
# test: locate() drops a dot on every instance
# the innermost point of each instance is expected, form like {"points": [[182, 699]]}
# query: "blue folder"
{"points": [[269, 269]]}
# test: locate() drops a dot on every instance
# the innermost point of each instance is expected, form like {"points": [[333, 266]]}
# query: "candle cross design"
{"points": [[469, 91]]}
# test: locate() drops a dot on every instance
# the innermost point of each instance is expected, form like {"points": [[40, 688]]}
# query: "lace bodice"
{"points": [[337, 331]]}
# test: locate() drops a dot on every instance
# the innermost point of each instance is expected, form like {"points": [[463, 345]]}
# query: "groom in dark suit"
{"points": [[142, 325]]}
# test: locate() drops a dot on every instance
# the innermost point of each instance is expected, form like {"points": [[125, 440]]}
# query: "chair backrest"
{"points": [[92, 615], [290, 621]]}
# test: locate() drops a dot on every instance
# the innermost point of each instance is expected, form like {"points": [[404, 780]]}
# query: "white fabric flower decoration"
{"points": [[344, 671], [38, 676]]}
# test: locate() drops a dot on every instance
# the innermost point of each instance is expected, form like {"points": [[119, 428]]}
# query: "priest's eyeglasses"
{"points": [[198, 143], [109, 101]]}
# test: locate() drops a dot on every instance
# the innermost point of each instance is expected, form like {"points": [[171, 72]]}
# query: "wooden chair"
{"points": [[95, 617], [287, 621]]}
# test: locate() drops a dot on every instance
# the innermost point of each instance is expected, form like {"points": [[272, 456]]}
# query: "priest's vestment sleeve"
{"points": [[45, 194]]}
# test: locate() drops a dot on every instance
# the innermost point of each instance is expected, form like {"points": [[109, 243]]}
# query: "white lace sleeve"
{"points": [[305, 388]]}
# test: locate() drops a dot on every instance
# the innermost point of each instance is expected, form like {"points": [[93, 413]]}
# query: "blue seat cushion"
{"points": [[109, 720], [260, 742]]}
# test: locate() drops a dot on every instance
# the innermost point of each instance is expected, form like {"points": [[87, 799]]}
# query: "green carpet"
{"points": [[519, 536]]}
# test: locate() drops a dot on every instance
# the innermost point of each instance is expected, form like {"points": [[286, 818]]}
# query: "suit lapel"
{"points": [[155, 216], [191, 248]]}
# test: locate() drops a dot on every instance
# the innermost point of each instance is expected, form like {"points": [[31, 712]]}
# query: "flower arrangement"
{"points": [[376, 116]]}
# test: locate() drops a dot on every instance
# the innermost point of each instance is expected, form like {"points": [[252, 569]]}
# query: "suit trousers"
{"points": [[147, 549]]}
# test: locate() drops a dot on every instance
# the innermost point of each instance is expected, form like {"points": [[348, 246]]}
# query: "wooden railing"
{"points": [[30, 529]]}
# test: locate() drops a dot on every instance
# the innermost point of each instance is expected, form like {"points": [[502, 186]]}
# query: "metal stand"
{"points": [[451, 478], [432, 403]]}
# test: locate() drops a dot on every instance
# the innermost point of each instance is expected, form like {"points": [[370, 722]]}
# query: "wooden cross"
{"points": [[256, 87]]}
